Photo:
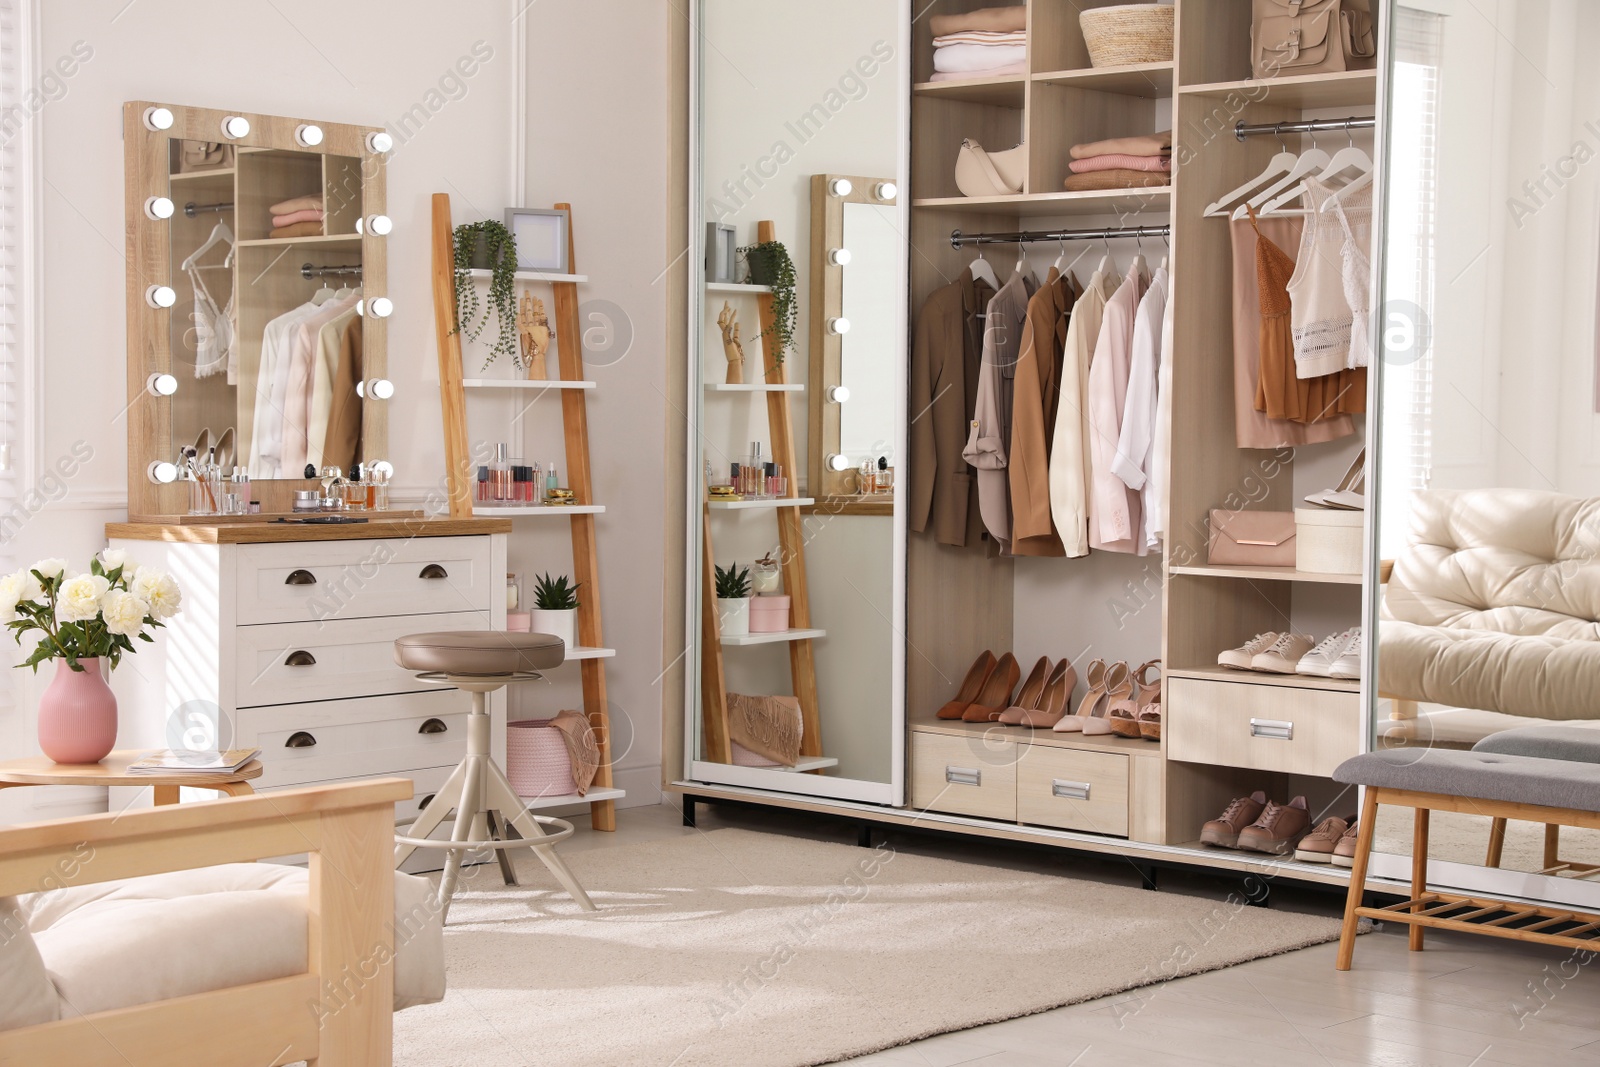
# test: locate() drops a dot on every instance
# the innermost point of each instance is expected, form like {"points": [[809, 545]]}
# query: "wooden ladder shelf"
{"points": [[575, 421]]}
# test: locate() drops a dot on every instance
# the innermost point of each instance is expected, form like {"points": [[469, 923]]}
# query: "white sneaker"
{"points": [[1239, 658], [1285, 652], [1319, 660], [1348, 665]]}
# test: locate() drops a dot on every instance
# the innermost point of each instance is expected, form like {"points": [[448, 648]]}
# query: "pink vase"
{"points": [[77, 715]]}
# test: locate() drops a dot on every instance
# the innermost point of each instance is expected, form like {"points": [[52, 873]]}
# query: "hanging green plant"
{"points": [[771, 266], [488, 245]]}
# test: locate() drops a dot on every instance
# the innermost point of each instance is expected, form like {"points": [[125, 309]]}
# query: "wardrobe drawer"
{"points": [[375, 737], [288, 662], [324, 580], [1074, 790], [964, 775], [1264, 727]]}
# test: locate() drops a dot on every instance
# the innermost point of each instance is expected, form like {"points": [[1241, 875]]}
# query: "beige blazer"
{"points": [[944, 387], [1033, 416], [990, 433]]}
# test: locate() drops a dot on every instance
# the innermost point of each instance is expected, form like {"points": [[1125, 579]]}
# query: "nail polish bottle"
{"points": [[483, 485]]}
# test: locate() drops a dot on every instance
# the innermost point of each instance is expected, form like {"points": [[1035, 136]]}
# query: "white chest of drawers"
{"points": [[287, 646]]}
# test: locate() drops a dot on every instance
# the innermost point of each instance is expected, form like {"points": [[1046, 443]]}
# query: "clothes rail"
{"points": [[191, 209], [1354, 122], [308, 271], [957, 238]]}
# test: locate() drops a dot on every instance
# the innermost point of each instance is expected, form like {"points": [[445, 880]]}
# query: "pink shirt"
{"points": [[1113, 507], [297, 397]]}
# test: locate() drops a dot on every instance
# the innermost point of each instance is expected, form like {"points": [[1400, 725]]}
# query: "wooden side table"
{"points": [[113, 771]]}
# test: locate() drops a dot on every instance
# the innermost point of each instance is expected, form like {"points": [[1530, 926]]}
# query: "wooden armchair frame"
{"points": [[338, 1014]]}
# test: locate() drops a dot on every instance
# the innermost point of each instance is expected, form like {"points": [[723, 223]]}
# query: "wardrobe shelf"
{"points": [[771, 502], [579, 652], [1034, 205], [1150, 80], [1346, 88], [981, 731], [735, 288], [1007, 90], [807, 763], [538, 510], [315, 239], [517, 383], [1287, 681], [773, 638], [1271, 574], [197, 175], [593, 796], [532, 276], [787, 387]]}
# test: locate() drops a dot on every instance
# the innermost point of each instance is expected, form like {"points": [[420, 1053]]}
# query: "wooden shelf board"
{"points": [[1034, 205], [516, 383], [773, 638], [1006, 90], [539, 510], [591, 797], [314, 239], [1270, 574], [579, 652], [197, 175], [1286, 681], [533, 276], [735, 288], [771, 502], [1150, 80], [1349, 88], [1028, 735], [723, 387]]}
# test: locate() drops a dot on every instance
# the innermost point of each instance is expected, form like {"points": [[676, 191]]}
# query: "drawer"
{"points": [[964, 775], [294, 661], [1074, 790], [379, 736], [1263, 727], [322, 580]]}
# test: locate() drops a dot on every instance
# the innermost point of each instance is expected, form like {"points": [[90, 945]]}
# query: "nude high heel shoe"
{"points": [[1031, 693], [1124, 714], [1056, 699], [1095, 676], [995, 696], [971, 686], [1119, 686]]}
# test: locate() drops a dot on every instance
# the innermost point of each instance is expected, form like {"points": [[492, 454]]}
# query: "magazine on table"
{"points": [[183, 761]]}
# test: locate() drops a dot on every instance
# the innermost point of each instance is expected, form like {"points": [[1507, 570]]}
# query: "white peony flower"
{"points": [[79, 598], [11, 591], [50, 568], [159, 592], [112, 558], [124, 612]]}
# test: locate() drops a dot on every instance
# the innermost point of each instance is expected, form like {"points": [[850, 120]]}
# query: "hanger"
{"points": [[1166, 251], [1108, 266], [1278, 164], [1307, 162], [219, 233], [1344, 159], [982, 271]]}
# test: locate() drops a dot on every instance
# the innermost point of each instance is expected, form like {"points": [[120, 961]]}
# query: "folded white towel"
{"points": [[968, 75], [969, 57], [980, 37]]}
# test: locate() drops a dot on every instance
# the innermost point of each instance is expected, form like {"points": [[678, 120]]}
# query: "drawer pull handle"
{"points": [[963, 775], [425, 801], [1069, 790], [433, 570], [432, 726], [1274, 729], [300, 658], [300, 739], [300, 577]]}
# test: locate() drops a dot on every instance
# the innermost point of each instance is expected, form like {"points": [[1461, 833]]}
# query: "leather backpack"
{"points": [[1311, 37]]}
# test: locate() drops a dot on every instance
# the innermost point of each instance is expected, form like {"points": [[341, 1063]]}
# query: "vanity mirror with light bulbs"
{"points": [[234, 221]]}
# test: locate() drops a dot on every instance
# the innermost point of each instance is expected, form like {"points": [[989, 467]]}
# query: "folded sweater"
{"points": [[1120, 162], [988, 19], [1144, 144], [970, 57], [308, 214], [298, 203], [980, 37], [299, 229], [1114, 179]]}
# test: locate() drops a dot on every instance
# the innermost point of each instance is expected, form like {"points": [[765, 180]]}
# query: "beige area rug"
{"points": [[1463, 838], [751, 949]]}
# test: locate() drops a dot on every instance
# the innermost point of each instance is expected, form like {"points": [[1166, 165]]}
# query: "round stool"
{"points": [[481, 661]]}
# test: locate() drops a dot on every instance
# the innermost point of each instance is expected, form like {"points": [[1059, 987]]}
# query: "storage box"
{"points": [[769, 614], [537, 761], [1328, 541]]}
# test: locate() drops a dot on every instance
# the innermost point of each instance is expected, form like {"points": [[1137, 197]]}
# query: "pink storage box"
{"points": [[537, 761], [769, 614]]}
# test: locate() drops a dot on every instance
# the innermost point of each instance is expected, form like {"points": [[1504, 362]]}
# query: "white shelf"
{"points": [[538, 510], [773, 638], [517, 383], [737, 287], [534, 276], [771, 502], [579, 652], [535, 803], [808, 763], [723, 387]]}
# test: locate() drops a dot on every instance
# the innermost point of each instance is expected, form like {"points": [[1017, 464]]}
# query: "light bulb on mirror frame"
{"points": [[837, 463], [381, 307], [158, 118], [840, 187], [159, 208], [885, 190], [838, 394], [377, 225], [162, 472], [160, 384], [160, 296], [379, 142], [838, 325], [377, 388], [235, 127], [839, 257], [306, 135]]}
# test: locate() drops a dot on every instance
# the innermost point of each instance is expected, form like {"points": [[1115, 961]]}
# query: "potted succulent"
{"points": [[733, 599], [488, 245], [87, 621], [771, 266], [555, 609]]}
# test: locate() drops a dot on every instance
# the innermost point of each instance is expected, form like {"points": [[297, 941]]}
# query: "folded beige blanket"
{"points": [[980, 37], [298, 229], [1115, 179], [1144, 144], [768, 726], [299, 203], [1093, 163], [989, 19], [581, 746]]}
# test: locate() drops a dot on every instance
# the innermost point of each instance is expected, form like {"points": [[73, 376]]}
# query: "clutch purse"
{"points": [[204, 155], [980, 173], [1252, 538]]}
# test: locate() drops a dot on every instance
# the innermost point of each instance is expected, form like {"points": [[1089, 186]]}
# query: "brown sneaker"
{"points": [[1278, 828], [1241, 812], [1344, 853], [1318, 846]]}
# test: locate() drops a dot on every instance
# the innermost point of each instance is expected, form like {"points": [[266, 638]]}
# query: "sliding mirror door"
{"points": [[797, 382]]}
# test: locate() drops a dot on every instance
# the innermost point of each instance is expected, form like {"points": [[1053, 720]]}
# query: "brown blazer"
{"points": [[1033, 417], [945, 356], [342, 445]]}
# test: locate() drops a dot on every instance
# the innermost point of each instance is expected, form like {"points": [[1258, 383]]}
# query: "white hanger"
{"points": [[1022, 259], [1108, 266], [1360, 182], [219, 232], [1166, 251], [1308, 162], [1346, 158], [1278, 164], [982, 271]]}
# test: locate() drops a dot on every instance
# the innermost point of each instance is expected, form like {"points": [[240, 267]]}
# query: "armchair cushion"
{"points": [[26, 995]]}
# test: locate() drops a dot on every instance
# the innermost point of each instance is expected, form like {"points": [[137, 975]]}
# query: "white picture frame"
{"points": [[541, 235]]}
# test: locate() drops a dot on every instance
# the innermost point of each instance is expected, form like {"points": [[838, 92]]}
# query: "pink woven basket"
{"points": [[537, 761], [743, 757]]}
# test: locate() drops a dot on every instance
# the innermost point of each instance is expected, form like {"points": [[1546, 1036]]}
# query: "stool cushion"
{"points": [[1547, 783], [1579, 744], [485, 652]]}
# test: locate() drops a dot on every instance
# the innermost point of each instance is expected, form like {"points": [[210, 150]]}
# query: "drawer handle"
{"points": [[433, 570], [432, 726], [1274, 729], [300, 739], [300, 658], [425, 801], [300, 577], [1069, 790], [963, 775]]}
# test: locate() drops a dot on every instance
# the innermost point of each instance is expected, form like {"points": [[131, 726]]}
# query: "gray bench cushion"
{"points": [[1481, 775], [1579, 744]]}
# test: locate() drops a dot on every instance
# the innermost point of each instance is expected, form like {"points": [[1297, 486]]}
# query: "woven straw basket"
{"points": [[1128, 33], [537, 761]]}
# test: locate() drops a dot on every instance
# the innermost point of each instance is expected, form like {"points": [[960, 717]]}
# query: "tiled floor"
{"points": [[1465, 1001]]}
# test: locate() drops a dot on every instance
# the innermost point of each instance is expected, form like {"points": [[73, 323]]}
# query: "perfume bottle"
{"points": [[236, 497], [551, 482], [866, 478], [378, 488], [884, 478], [536, 485], [355, 490]]}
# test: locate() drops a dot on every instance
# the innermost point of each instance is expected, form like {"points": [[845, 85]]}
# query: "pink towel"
{"points": [[309, 214], [1120, 162]]}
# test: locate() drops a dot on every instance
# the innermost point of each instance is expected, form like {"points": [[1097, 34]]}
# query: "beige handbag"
{"points": [[1252, 538], [980, 173], [1311, 37], [204, 155]]}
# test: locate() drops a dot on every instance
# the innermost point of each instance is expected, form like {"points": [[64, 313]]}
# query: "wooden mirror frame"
{"points": [[147, 156]]}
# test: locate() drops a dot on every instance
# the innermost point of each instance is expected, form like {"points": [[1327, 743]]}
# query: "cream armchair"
{"points": [[202, 957]]}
